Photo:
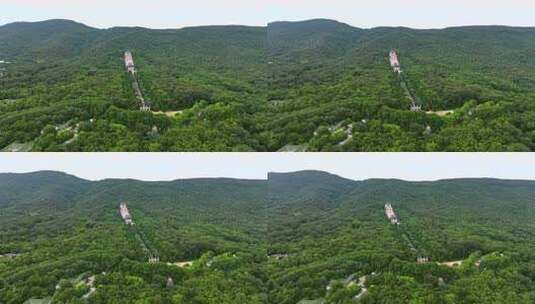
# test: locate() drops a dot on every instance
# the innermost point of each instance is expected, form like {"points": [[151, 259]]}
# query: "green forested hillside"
{"points": [[326, 239], [333, 87], [339, 247], [66, 230], [65, 87], [317, 85]]}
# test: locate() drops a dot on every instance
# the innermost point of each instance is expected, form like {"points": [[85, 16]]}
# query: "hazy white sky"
{"points": [[362, 13], [170, 166]]}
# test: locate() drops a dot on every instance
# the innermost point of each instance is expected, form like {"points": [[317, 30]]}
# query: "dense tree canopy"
{"points": [[317, 85], [305, 237]]}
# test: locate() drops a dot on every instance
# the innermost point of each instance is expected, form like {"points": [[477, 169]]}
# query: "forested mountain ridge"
{"points": [[64, 87], [341, 248], [316, 85], [79, 242], [306, 40], [326, 238], [338, 91], [59, 38]]}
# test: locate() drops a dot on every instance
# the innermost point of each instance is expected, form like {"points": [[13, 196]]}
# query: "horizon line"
{"points": [[267, 173], [266, 25]]}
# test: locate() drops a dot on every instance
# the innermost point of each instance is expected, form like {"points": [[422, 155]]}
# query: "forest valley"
{"points": [[303, 237], [316, 85]]}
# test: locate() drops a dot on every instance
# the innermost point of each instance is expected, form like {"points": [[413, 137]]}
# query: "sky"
{"points": [[356, 166], [361, 13]]}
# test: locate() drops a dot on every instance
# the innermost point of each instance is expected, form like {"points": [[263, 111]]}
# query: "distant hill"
{"points": [[53, 38], [319, 39]]}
